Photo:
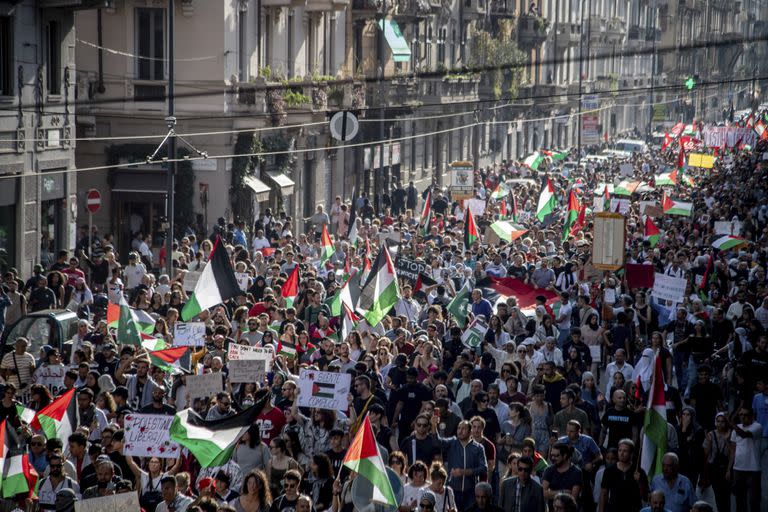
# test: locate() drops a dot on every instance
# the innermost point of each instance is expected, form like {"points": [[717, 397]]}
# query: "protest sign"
{"points": [[324, 390], [189, 334], [243, 280], [190, 280], [51, 377], [391, 237], [669, 288], [608, 242], [248, 364], [620, 205], [407, 268], [644, 205], [205, 385], [475, 333], [476, 206], [701, 160], [626, 169], [723, 227], [123, 502], [148, 435]]}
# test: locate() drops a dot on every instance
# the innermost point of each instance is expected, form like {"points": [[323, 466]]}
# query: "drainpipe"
{"points": [[100, 34]]}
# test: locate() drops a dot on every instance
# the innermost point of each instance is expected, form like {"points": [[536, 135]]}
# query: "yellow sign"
{"points": [[701, 160]]}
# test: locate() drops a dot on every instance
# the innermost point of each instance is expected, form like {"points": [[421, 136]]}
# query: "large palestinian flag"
{"points": [[217, 284], [508, 231], [363, 457], [212, 442], [56, 419], [655, 424], [380, 292], [672, 207], [652, 233], [290, 289], [728, 242], [18, 475], [144, 320], [471, 234], [571, 215], [547, 201], [495, 288], [167, 359]]}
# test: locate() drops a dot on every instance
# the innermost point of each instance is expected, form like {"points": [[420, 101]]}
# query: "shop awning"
{"points": [[260, 189], [281, 180], [397, 43]]}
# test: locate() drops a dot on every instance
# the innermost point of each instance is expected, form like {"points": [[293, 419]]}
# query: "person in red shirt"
{"points": [[271, 421], [73, 272], [262, 307]]}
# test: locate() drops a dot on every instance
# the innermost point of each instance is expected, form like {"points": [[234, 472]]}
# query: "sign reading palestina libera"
{"points": [[475, 334], [462, 180]]}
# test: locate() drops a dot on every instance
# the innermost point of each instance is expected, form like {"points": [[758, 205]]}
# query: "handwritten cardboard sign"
{"points": [[205, 385], [669, 288], [123, 502], [147, 435], [324, 390], [248, 364], [189, 334]]}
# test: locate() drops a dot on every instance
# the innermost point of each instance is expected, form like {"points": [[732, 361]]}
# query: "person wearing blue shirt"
{"points": [[678, 492], [481, 306], [657, 502], [588, 451], [465, 461]]}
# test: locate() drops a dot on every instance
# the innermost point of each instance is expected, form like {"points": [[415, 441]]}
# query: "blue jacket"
{"points": [[470, 456]]}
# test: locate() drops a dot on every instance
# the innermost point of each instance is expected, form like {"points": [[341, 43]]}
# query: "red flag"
{"points": [[681, 158], [667, 141], [579, 224]]}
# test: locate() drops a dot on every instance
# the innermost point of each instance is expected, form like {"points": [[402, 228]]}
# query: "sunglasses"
{"points": [[525, 469], [422, 425], [292, 485]]}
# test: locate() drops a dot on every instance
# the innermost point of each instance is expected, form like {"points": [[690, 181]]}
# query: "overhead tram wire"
{"points": [[426, 74], [510, 104]]}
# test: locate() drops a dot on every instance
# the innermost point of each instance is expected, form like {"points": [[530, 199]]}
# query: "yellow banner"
{"points": [[701, 160]]}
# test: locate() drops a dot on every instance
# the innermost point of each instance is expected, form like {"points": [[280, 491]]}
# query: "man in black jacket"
{"points": [[520, 493]]}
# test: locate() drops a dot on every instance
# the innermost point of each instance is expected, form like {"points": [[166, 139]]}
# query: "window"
{"points": [[150, 43], [6, 56], [53, 54], [242, 45]]}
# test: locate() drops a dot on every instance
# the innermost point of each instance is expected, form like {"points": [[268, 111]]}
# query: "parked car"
{"points": [[54, 327]]}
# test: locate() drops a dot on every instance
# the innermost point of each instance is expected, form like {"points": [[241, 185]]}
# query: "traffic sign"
{"points": [[93, 200], [344, 125]]}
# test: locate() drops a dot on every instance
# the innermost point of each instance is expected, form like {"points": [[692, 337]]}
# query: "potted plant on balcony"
{"points": [[276, 107]]}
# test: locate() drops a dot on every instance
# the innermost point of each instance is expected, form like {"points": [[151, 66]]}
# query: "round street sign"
{"points": [[93, 200], [344, 125]]}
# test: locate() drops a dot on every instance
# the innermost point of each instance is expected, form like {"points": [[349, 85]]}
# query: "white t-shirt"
{"points": [[747, 448], [567, 310]]}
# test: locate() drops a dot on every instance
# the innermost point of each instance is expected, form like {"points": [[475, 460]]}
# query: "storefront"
{"points": [[53, 213], [138, 206], [8, 195]]}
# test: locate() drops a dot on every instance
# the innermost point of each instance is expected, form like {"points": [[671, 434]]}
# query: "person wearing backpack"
{"points": [[717, 451], [54, 482]]}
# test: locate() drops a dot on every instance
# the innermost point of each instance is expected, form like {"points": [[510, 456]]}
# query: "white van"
{"points": [[631, 145]]}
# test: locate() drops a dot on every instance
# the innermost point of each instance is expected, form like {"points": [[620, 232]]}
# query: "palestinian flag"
{"points": [[533, 161], [56, 419], [470, 230], [26, 415], [759, 128], [672, 207], [347, 294], [352, 236], [508, 231], [217, 284], [167, 359], [667, 141], [363, 457], [652, 233], [128, 330], [728, 242], [380, 292], [687, 180], [556, 155], [290, 289], [666, 178], [626, 188], [212, 442], [323, 389], [366, 262], [152, 344], [348, 322], [655, 424], [19, 477], [426, 214], [500, 192], [571, 215], [547, 201], [458, 306], [580, 220], [606, 200], [496, 288], [326, 246], [144, 320], [681, 157], [514, 207], [287, 350]]}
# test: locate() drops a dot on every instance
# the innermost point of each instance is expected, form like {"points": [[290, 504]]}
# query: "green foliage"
{"points": [[499, 58], [242, 167], [316, 77], [295, 99], [266, 72], [336, 95]]}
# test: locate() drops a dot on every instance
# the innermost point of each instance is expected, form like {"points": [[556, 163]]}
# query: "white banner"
{"points": [[476, 206], [324, 390], [190, 280], [248, 364], [148, 435], [189, 334], [51, 377], [123, 502], [730, 136], [723, 227], [205, 385], [669, 288], [617, 205]]}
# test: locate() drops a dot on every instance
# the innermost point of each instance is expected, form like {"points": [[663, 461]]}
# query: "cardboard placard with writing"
{"points": [[205, 385], [324, 390], [148, 435]]}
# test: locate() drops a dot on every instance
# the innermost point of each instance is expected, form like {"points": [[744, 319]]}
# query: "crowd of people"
{"points": [[546, 413]]}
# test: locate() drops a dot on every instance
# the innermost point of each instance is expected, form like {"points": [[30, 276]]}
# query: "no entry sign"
{"points": [[93, 200]]}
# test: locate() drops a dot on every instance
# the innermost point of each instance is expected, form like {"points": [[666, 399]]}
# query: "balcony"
{"points": [[404, 91], [532, 31], [360, 8], [653, 34], [635, 37], [550, 94], [261, 96], [449, 89], [72, 4], [475, 8], [325, 5], [567, 35], [502, 8], [615, 30], [597, 30], [411, 10]]}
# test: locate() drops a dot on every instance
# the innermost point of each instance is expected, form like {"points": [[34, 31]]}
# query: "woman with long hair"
{"points": [[39, 396], [397, 464], [251, 452], [496, 335], [57, 284], [425, 362], [148, 481], [254, 494], [157, 304], [106, 402], [593, 335], [279, 463], [356, 349], [690, 442], [542, 417], [574, 366], [319, 482], [546, 330]]}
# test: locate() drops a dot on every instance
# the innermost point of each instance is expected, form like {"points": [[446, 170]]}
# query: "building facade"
{"points": [[38, 198]]}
